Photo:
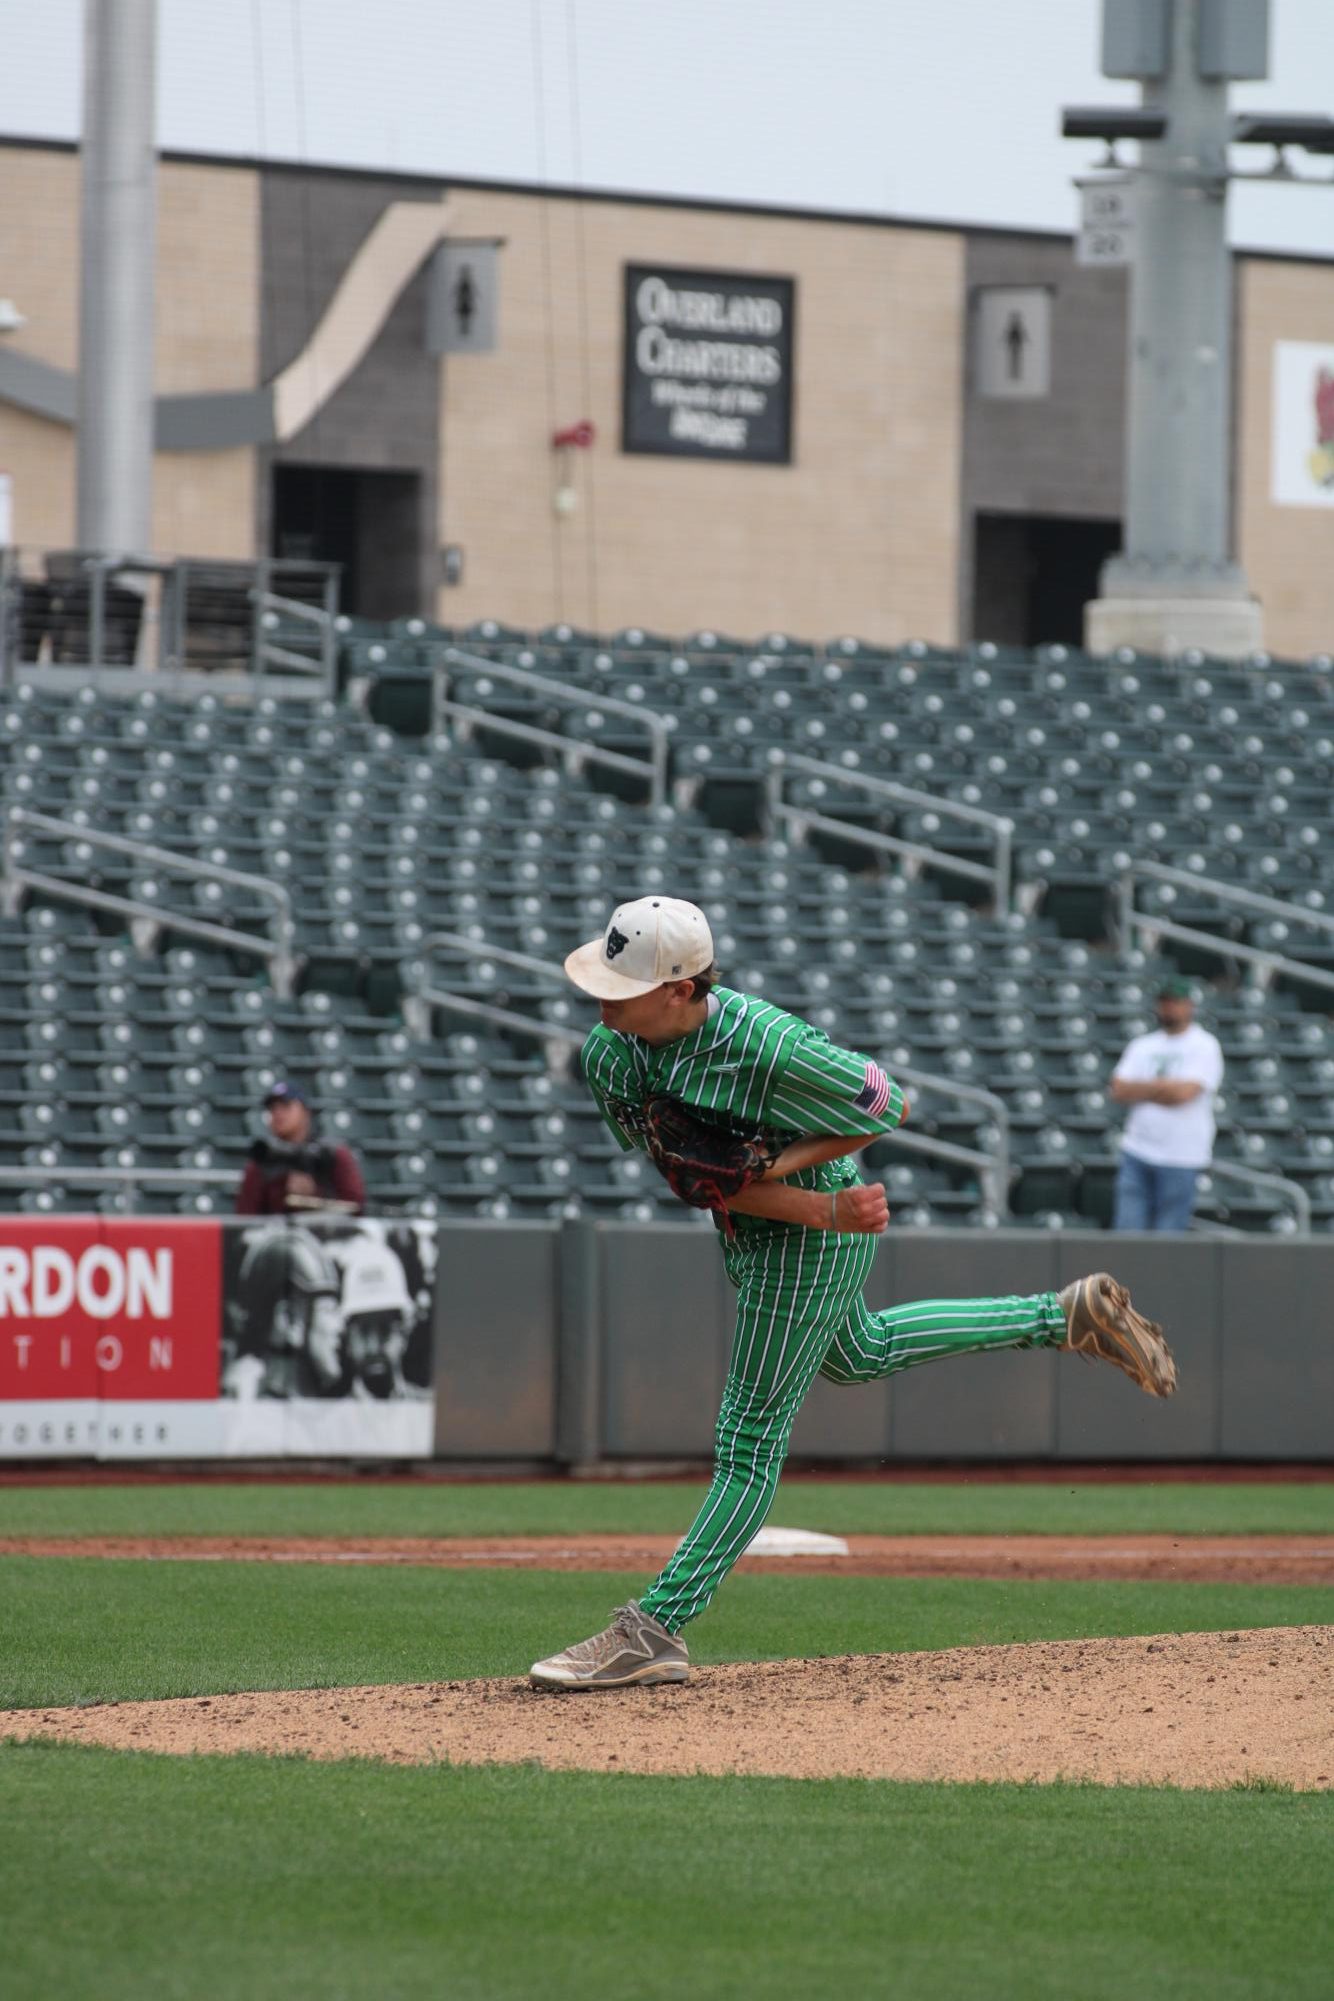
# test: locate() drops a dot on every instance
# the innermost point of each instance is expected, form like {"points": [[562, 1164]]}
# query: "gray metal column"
{"points": [[1175, 583], [115, 404], [579, 1346], [1178, 415]]}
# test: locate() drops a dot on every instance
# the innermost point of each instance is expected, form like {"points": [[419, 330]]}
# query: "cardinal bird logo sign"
{"points": [[1302, 435], [1321, 460]]}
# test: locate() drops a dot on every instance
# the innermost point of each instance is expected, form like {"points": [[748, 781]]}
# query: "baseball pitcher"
{"points": [[754, 1114]]}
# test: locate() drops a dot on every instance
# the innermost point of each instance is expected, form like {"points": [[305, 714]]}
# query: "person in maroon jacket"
{"points": [[295, 1169]]}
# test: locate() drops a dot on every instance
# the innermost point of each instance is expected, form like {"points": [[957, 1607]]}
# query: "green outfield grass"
{"points": [[83, 1630], [207, 1879], [1070, 1507]]}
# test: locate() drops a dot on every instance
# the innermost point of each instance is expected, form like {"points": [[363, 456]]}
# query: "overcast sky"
{"points": [[942, 109]]}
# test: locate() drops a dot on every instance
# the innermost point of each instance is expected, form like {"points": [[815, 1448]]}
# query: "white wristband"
{"points": [[833, 1208]]}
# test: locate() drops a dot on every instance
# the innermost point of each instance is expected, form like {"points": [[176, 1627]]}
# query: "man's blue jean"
{"points": [[1153, 1198]]}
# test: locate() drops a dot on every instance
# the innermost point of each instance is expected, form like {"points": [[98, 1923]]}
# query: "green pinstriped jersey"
{"points": [[750, 1064]]}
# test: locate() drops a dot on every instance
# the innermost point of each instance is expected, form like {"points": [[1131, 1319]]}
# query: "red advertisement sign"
{"points": [[122, 1311]]}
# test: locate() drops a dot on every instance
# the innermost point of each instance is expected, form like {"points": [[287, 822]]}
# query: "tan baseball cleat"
{"points": [[1102, 1325], [634, 1651]]}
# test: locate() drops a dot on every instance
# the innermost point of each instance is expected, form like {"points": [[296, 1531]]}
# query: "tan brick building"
{"points": [[909, 507]]}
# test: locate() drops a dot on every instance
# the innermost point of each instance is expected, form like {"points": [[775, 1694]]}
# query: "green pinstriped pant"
{"points": [[800, 1314]]}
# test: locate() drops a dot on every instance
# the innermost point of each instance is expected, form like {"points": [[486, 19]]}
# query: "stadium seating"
{"points": [[383, 833]]}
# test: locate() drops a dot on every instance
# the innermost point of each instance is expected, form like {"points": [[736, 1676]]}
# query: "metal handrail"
{"points": [[101, 568], [291, 607], [1257, 1178], [131, 1179], [964, 1156], [889, 844], [1130, 920], [653, 769], [1228, 892], [1252, 1176], [269, 606], [1255, 955], [164, 586], [998, 1161], [279, 950], [1001, 829], [559, 1039], [502, 1017], [477, 948]]}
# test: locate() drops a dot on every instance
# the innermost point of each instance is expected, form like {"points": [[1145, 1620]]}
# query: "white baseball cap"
{"points": [[649, 941]]}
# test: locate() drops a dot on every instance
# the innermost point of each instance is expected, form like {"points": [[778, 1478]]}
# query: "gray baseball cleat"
{"points": [[635, 1649], [1101, 1324]]}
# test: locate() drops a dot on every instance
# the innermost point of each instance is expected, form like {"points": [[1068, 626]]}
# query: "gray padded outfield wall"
{"points": [[496, 1333], [580, 1343], [584, 1342]]}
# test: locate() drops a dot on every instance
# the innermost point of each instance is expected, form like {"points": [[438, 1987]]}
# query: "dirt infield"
{"points": [[1194, 1709], [1257, 1559]]}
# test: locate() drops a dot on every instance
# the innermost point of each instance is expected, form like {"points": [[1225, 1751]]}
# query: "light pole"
{"points": [[1176, 582], [115, 400]]}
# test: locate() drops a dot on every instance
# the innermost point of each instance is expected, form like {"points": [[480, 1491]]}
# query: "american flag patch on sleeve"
{"points": [[874, 1094]]}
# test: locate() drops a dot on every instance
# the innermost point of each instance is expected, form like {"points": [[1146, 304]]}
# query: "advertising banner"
{"points": [[149, 1338], [327, 1338], [708, 362], [108, 1329]]}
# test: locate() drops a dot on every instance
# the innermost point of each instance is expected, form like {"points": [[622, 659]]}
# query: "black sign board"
{"points": [[708, 364]]}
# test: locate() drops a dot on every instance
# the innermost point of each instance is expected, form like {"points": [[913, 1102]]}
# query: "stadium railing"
{"points": [[1254, 1177], [130, 1181], [1155, 925], [802, 818], [149, 916], [578, 751], [423, 994], [129, 622]]}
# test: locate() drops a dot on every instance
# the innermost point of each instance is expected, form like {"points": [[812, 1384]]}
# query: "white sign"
{"points": [[463, 299], [1302, 433], [1106, 223], [1012, 342], [6, 509]]}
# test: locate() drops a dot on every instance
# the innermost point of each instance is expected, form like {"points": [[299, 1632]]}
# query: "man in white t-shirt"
{"points": [[1169, 1079]]}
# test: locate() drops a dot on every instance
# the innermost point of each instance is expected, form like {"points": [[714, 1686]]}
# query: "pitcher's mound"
{"points": [[1186, 1709]]}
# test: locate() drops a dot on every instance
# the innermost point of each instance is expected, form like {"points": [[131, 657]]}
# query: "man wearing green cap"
{"points": [[1169, 1079]]}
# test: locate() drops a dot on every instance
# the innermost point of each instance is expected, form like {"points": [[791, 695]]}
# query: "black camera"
{"points": [[311, 1157]]}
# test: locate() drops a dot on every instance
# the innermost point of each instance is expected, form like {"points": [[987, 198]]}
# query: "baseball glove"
{"points": [[705, 1164]]}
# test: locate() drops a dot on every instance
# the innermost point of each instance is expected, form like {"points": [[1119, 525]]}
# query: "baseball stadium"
{"points": [[667, 999]]}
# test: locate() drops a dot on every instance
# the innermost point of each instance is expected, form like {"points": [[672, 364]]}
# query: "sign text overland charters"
{"points": [[708, 364]]}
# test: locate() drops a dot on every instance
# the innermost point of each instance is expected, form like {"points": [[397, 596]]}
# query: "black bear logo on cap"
{"points": [[616, 943]]}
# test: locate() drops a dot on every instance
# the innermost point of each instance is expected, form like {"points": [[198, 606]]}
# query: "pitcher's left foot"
{"points": [[1102, 1324]]}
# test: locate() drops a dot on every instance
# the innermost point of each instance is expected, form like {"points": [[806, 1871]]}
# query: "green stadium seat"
{"points": [[381, 839]]}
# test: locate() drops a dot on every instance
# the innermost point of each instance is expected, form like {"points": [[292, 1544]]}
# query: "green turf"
{"points": [[208, 1879], [1069, 1507], [79, 1630]]}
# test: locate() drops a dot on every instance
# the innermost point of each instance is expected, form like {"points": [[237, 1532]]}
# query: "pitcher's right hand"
{"points": [[863, 1210]]}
